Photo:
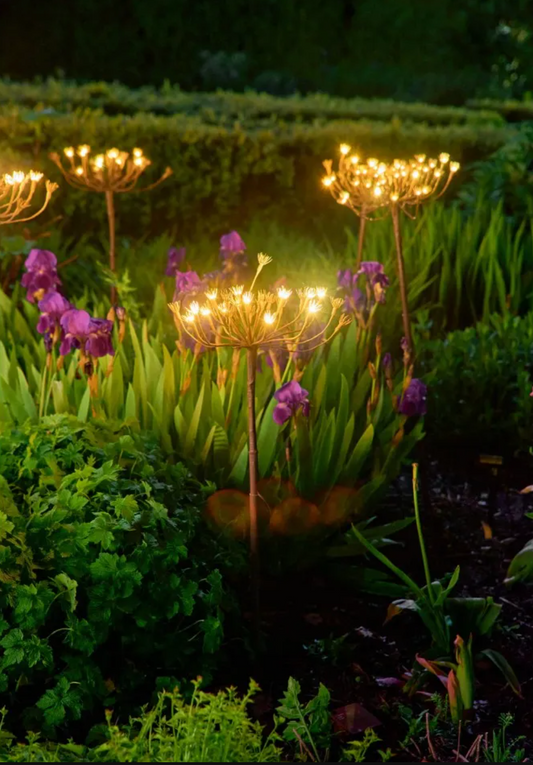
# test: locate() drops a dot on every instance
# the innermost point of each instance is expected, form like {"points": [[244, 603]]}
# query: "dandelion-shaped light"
{"points": [[115, 172], [374, 188], [253, 319], [17, 191]]}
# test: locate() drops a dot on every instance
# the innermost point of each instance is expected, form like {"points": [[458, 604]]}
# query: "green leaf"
{"points": [[83, 409], [125, 507], [240, 468], [6, 526], [130, 410], [101, 530], [267, 440], [13, 643], [521, 567], [359, 455], [69, 587], [192, 430], [505, 668]]}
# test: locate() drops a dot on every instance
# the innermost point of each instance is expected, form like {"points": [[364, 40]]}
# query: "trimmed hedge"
{"points": [[226, 107], [511, 111], [222, 175]]}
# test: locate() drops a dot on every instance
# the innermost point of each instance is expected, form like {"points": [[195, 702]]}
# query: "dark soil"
{"points": [[463, 503]]}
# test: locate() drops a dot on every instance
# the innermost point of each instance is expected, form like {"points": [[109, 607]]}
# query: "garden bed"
{"points": [[304, 617]]}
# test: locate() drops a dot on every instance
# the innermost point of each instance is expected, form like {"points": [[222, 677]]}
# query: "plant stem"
{"points": [[361, 240], [421, 535], [251, 358], [401, 278], [110, 204], [42, 396]]}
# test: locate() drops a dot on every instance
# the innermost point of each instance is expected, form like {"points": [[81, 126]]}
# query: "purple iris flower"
{"points": [[413, 403], [175, 258], [291, 397], [41, 274], [93, 336], [40, 260], [188, 281], [357, 300], [370, 268], [376, 277], [345, 278], [52, 307], [231, 244]]}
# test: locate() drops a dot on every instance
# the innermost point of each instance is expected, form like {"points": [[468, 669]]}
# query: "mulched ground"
{"points": [[459, 496]]}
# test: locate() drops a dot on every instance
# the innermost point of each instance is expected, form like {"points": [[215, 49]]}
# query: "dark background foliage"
{"points": [[345, 47]]}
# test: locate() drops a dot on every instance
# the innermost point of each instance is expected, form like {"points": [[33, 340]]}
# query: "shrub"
{"points": [[480, 380], [224, 107], [108, 577], [510, 110], [223, 175]]}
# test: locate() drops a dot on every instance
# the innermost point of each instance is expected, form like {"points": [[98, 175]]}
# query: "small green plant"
{"points": [[357, 750], [497, 748], [307, 726], [445, 617], [208, 728]]}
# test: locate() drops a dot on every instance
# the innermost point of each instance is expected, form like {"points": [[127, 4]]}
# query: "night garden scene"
{"points": [[266, 381]]}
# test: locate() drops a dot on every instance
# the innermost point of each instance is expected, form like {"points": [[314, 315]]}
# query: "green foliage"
{"points": [[223, 107], [511, 110], [446, 620], [107, 570], [205, 728], [197, 408], [357, 750], [208, 728], [307, 725], [498, 748], [223, 173], [479, 385], [521, 567]]}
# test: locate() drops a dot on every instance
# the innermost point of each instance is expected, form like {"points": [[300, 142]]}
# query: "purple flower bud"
{"points": [[231, 243], [387, 361], [413, 403], [290, 397], [175, 258], [120, 313]]}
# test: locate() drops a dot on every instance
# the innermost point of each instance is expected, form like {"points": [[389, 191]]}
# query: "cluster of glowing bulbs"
{"points": [[19, 177], [373, 184], [112, 157], [236, 296]]}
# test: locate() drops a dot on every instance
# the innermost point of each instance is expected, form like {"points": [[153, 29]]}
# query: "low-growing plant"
{"points": [[109, 575], [445, 617], [206, 727], [479, 385]]}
